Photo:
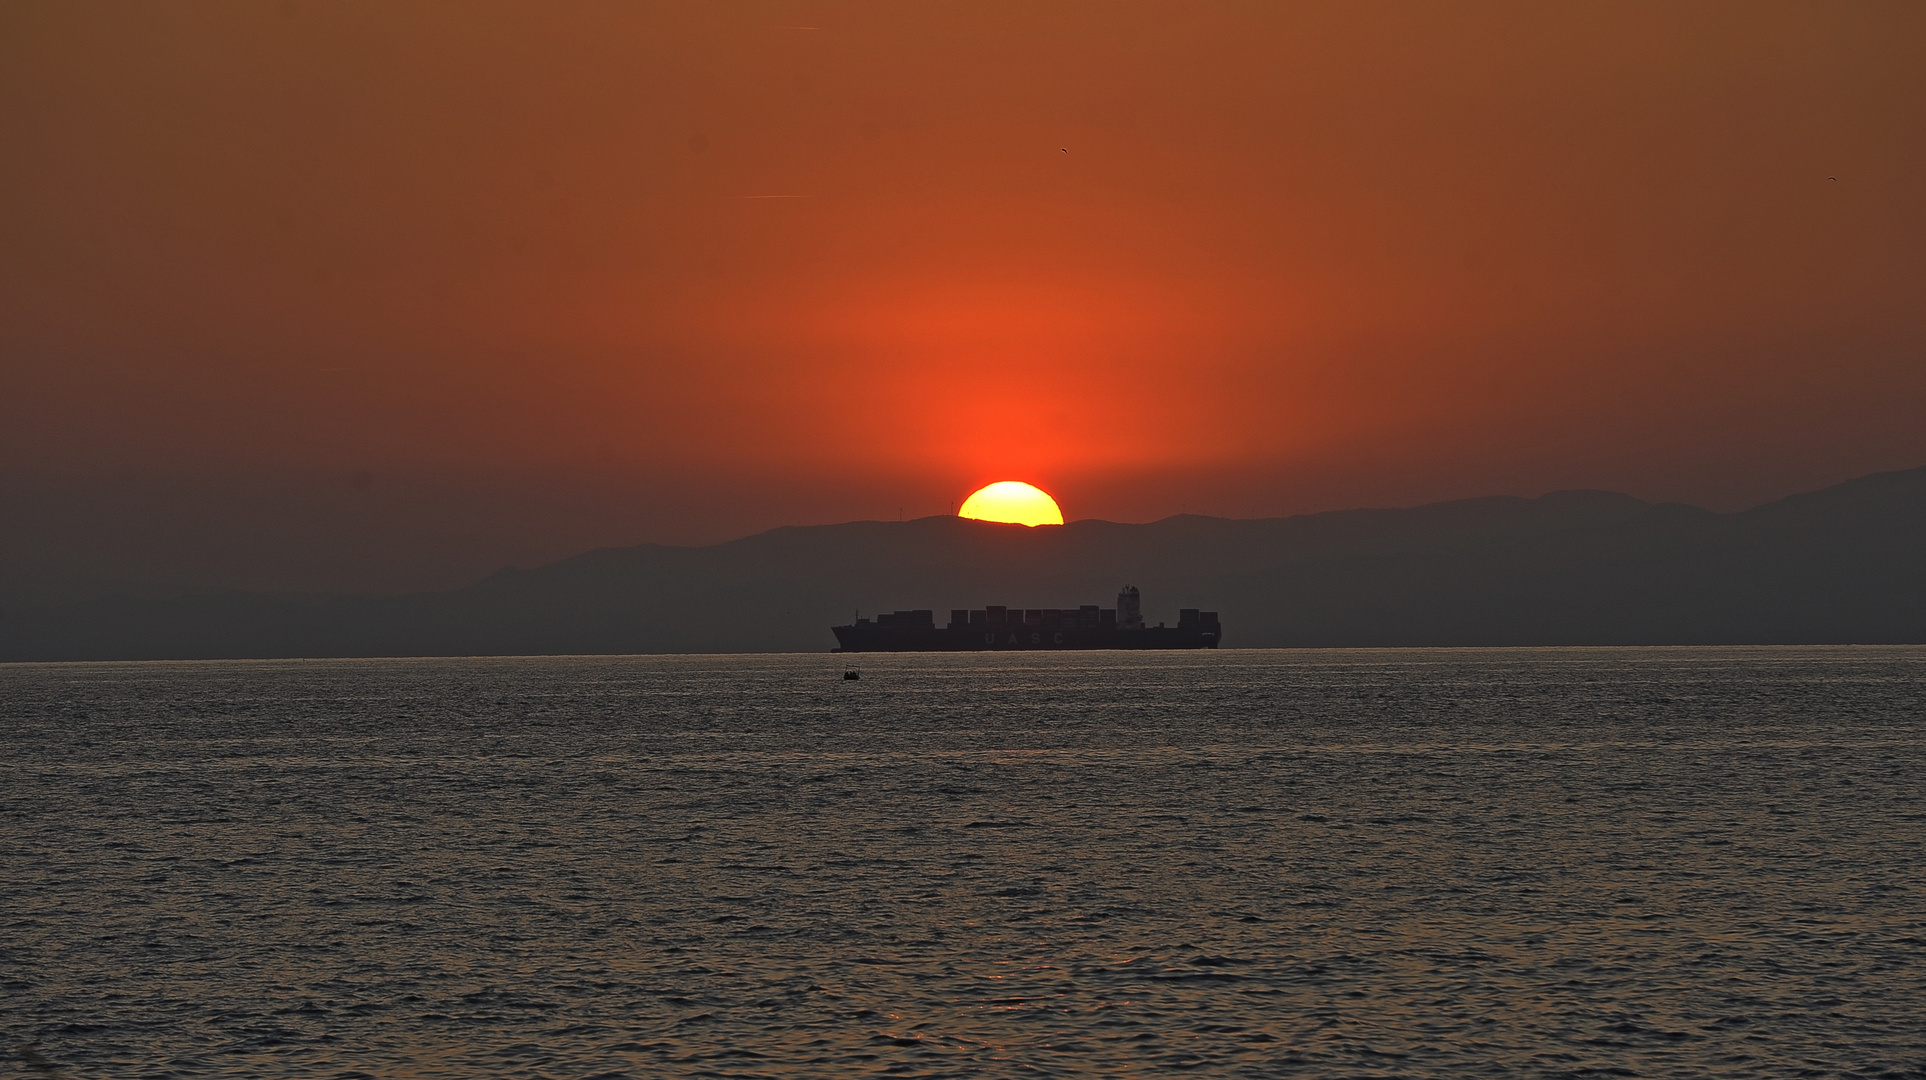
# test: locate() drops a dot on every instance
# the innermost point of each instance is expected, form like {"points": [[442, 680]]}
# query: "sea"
{"points": [[1378, 863]]}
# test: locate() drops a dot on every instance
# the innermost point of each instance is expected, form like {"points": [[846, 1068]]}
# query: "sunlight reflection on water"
{"points": [[1539, 862]]}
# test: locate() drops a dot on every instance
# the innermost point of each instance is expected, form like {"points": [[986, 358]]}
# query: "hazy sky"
{"points": [[448, 285]]}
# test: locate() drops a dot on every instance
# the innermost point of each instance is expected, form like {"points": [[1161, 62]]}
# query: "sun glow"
{"points": [[1013, 501]]}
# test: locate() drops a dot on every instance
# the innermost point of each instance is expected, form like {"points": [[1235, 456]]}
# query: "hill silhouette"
{"points": [[1840, 565]]}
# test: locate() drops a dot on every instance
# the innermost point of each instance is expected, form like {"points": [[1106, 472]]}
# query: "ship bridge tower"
{"points": [[1130, 608]]}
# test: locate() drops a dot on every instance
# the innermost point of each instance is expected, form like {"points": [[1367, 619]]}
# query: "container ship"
{"points": [[1007, 628]]}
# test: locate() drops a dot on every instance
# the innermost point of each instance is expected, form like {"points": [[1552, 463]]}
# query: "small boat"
{"points": [[852, 674]]}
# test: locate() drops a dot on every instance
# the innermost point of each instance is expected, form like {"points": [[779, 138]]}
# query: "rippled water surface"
{"points": [[1397, 863]]}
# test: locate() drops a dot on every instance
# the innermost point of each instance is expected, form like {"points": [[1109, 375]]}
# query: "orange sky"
{"points": [[1238, 259]]}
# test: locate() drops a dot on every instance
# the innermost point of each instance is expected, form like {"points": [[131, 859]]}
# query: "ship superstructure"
{"points": [[1008, 628]]}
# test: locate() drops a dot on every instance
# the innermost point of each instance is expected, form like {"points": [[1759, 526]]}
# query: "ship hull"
{"points": [[872, 638]]}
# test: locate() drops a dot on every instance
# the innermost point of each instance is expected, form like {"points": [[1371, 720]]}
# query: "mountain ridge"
{"points": [[1567, 568]]}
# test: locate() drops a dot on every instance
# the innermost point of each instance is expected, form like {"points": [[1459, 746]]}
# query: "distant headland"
{"points": [[1841, 565]]}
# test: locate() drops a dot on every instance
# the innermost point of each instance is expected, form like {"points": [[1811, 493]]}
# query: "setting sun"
{"points": [[1012, 501]]}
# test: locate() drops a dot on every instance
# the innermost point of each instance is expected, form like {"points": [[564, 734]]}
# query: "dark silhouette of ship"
{"points": [[1005, 628]]}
